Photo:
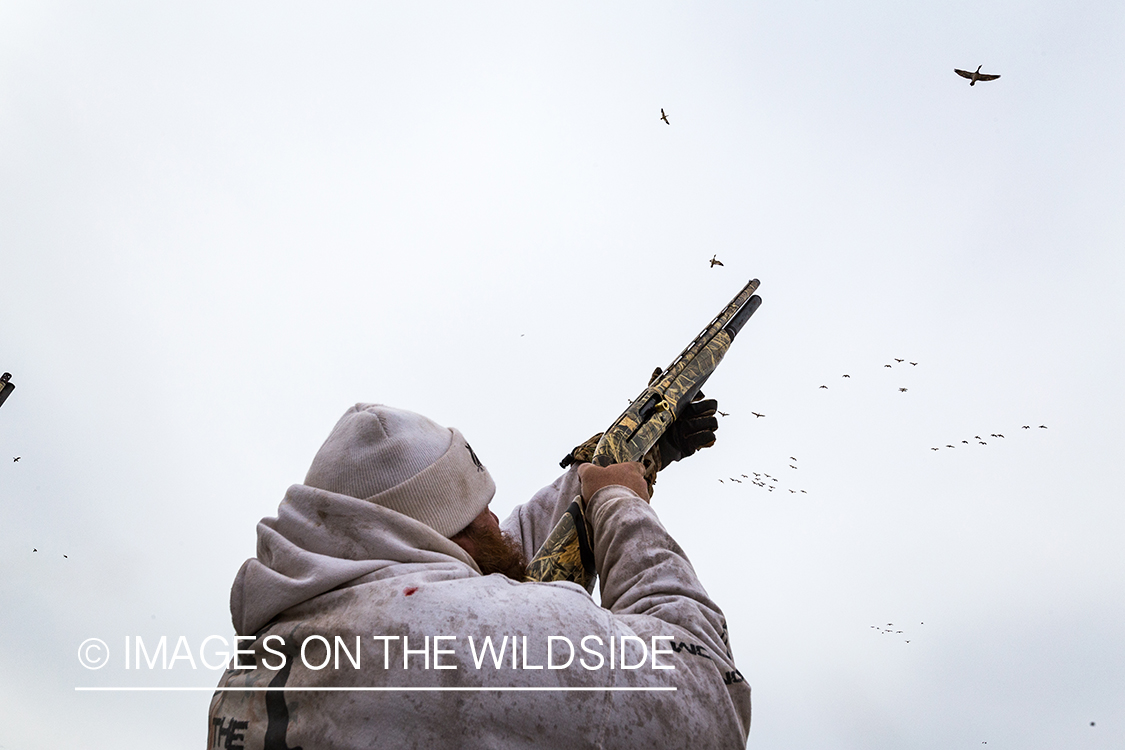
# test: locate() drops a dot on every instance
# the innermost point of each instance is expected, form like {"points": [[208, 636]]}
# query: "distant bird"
{"points": [[1042, 426], [950, 446], [933, 449], [793, 491], [744, 476], [847, 376], [903, 390], [715, 260], [803, 492], [756, 414], [722, 413], [824, 387], [886, 365], [66, 557], [977, 437], [792, 458], [1027, 427], [976, 75], [721, 482], [1000, 436], [899, 360], [914, 363], [736, 480], [16, 459], [791, 466], [983, 443], [664, 117], [966, 442], [34, 550]]}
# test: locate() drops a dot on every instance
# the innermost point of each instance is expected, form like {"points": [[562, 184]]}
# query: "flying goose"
{"points": [[976, 75]]}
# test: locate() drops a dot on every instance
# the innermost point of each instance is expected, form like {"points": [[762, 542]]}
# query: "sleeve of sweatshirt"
{"points": [[649, 585], [532, 522]]}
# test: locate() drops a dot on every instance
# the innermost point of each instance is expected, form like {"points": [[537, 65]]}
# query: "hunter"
{"points": [[387, 607]]}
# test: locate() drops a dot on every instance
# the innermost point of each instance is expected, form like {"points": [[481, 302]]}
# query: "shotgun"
{"points": [[568, 553]]}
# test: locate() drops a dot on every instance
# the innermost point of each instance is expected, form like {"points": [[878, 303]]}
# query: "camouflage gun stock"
{"points": [[567, 554]]}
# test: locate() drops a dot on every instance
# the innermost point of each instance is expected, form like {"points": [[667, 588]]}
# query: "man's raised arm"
{"points": [[650, 586]]}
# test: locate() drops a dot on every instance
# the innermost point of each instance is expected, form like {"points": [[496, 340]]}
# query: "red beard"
{"points": [[495, 552]]}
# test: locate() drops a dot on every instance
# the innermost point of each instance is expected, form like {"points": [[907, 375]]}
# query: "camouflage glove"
{"points": [[583, 453], [692, 430]]}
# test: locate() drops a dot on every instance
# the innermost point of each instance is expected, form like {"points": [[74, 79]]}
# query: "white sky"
{"points": [[222, 224]]}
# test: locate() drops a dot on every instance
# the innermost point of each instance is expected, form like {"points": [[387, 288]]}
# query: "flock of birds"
{"points": [[770, 483], [888, 366], [890, 630], [981, 441], [764, 480]]}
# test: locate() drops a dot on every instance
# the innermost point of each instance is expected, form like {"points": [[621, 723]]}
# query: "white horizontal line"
{"points": [[375, 689]]}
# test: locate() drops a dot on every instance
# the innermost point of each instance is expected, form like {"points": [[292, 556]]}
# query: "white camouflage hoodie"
{"points": [[352, 582]]}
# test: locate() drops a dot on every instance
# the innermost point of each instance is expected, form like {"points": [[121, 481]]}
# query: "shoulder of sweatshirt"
{"points": [[426, 598], [442, 600]]}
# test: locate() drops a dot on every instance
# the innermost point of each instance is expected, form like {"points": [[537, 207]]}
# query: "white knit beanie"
{"points": [[406, 462]]}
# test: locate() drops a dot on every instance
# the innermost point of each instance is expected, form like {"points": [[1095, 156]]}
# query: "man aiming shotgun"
{"points": [[388, 607]]}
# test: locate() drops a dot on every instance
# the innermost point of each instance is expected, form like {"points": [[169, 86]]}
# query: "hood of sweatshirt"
{"points": [[319, 541]]}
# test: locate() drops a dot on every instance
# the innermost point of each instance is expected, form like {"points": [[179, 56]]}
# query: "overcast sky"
{"points": [[222, 224]]}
